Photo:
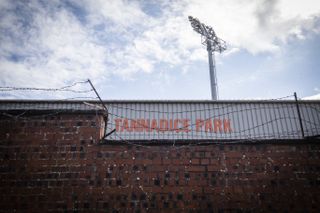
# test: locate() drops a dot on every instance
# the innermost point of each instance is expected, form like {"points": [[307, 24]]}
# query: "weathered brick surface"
{"points": [[56, 164]]}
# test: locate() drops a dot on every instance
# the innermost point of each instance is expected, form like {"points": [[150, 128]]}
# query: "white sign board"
{"points": [[210, 120]]}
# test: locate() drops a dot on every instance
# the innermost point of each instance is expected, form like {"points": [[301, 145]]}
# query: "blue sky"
{"points": [[146, 49]]}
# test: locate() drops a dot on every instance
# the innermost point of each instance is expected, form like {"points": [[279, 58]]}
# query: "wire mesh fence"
{"points": [[281, 118]]}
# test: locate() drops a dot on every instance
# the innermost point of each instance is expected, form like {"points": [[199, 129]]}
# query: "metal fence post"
{"points": [[299, 114]]}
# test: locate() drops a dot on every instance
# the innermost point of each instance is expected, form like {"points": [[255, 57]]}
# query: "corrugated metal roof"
{"points": [[48, 105], [152, 101], [94, 105]]}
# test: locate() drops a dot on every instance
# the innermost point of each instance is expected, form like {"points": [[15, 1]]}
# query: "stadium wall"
{"points": [[57, 163]]}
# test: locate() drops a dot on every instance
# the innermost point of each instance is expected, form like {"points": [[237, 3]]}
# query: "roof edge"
{"points": [[155, 101]]}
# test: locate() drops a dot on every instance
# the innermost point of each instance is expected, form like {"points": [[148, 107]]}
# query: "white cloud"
{"points": [[312, 97], [231, 51], [257, 26], [54, 48], [123, 13], [50, 45]]}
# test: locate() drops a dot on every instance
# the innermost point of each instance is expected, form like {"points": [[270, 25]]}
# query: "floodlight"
{"points": [[214, 44]]}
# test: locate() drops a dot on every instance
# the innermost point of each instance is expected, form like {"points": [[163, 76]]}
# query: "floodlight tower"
{"points": [[214, 44]]}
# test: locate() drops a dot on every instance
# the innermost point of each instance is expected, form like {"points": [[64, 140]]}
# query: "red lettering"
{"points": [[208, 125], [186, 124], [163, 125], [227, 125], [217, 125], [154, 125], [136, 125], [171, 126], [144, 125], [117, 124], [125, 126], [176, 125], [199, 124], [133, 125]]}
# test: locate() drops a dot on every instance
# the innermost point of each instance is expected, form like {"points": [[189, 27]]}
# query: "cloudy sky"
{"points": [[146, 49]]}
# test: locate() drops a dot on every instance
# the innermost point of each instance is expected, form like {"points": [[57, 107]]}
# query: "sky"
{"points": [[147, 49]]}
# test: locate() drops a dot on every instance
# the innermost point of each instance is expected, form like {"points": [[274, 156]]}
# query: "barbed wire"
{"points": [[190, 143], [207, 118], [208, 134], [29, 117], [165, 132], [281, 98], [79, 98], [62, 89], [208, 113], [253, 111], [20, 116], [193, 110], [169, 133], [45, 108]]}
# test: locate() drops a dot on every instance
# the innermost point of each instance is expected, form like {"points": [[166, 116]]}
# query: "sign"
{"points": [[172, 125], [211, 120]]}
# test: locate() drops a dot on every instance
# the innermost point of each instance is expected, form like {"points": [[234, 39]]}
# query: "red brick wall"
{"points": [[56, 164]]}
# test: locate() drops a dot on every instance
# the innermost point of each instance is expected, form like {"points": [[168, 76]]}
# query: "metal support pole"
{"points": [[94, 89], [107, 112], [299, 114], [212, 68]]}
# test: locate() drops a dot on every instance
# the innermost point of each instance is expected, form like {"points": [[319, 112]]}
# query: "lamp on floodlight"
{"points": [[214, 44]]}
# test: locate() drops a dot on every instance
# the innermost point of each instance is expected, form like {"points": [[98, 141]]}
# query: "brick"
{"points": [[205, 161], [195, 161], [195, 169], [54, 164]]}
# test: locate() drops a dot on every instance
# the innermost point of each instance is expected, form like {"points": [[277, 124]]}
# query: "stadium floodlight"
{"points": [[214, 44]]}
